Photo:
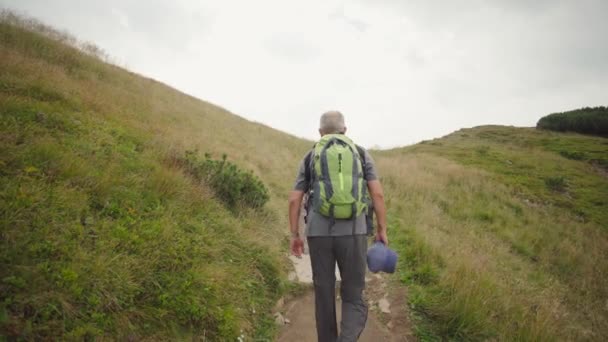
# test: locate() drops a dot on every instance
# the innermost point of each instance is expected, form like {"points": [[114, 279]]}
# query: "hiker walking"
{"points": [[338, 177]]}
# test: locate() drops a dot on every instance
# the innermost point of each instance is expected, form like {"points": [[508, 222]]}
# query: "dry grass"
{"points": [[485, 264]]}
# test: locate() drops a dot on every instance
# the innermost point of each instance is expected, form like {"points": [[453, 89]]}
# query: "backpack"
{"points": [[338, 184]]}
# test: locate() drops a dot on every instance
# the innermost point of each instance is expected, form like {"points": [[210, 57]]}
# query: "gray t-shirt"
{"points": [[319, 225]]}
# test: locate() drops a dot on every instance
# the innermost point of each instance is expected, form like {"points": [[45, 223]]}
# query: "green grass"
{"points": [[566, 170], [104, 233], [501, 237], [133, 246]]}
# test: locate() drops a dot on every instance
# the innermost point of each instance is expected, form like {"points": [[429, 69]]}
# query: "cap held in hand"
{"points": [[381, 258]]}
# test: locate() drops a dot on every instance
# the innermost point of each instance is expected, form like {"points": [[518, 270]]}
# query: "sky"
{"points": [[400, 71]]}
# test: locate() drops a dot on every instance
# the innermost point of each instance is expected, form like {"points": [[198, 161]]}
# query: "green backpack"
{"points": [[338, 185]]}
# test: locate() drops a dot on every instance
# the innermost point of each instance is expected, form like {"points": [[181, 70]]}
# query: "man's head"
{"points": [[332, 122]]}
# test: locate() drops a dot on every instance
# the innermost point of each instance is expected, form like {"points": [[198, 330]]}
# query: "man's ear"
{"points": [[345, 130], [320, 132]]}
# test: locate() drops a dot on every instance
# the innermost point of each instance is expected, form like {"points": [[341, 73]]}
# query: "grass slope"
{"points": [[503, 234], [102, 231]]}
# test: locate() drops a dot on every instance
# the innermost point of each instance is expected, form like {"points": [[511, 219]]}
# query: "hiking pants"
{"points": [[350, 253]]}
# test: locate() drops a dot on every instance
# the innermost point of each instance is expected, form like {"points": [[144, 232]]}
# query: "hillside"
{"points": [[105, 233], [505, 234]]}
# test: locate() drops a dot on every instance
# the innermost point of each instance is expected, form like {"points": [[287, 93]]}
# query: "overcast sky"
{"points": [[400, 71]]}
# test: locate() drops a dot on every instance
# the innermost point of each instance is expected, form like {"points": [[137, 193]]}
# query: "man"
{"points": [[332, 240]]}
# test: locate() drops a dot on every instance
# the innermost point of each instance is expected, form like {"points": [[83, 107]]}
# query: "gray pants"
{"points": [[350, 253]]}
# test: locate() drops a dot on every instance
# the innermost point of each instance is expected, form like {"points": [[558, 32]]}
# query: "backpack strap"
{"points": [[369, 217], [307, 168], [308, 178], [361, 152]]}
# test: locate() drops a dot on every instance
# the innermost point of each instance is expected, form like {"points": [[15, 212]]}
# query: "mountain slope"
{"points": [[504, 234], [103, 233]]}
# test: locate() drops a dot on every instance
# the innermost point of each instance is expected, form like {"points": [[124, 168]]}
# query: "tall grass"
{"points": [[102, 234], [538, 165], [484, 262]]}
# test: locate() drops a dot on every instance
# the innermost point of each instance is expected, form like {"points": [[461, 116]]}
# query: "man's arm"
{"points": [[295, 203], [377, 195]]}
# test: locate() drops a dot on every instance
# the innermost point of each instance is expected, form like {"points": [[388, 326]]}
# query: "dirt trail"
{"points": [[388, 319], [302, 323], [385, 322]]}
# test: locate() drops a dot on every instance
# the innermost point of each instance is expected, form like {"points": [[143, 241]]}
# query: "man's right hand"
{"points": [[381, 236], [377, 195], [297, 246]]}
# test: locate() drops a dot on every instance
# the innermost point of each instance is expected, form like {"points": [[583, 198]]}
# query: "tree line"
{"points": [[587, 120]]}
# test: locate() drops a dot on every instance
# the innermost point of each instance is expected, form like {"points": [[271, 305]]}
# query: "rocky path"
{"points": [[388, 318]]}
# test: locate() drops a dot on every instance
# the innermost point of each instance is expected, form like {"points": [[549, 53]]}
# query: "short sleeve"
{"points": [[301, 183], [370, 167]]}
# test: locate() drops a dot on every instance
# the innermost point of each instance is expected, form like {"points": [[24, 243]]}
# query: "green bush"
{"points": [[574, 155], [585, 120], [556, 183], [231, 184]]}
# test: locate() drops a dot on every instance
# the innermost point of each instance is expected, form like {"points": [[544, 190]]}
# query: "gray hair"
{"points": [[332, 122]]}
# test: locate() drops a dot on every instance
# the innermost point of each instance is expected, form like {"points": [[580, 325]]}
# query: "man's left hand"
{"points": [[297, 246]]}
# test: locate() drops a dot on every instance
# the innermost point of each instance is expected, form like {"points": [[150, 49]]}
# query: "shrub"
{"points": [[231, 184], [556, 183], [574, 155], [585, 120]]}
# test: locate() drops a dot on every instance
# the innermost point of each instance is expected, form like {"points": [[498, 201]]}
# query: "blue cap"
{"points": [[381, 258]]}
